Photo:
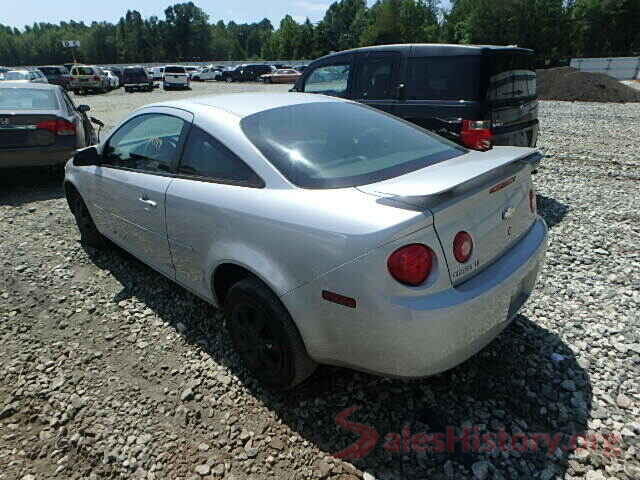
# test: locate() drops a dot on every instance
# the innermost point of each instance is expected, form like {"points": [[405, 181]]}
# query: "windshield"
{"points": [[27, 99], [335, 144], [174, 70]]}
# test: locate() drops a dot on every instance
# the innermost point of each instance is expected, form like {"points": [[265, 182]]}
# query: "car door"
{"points": [[201, 205], [331, 77], [137, 166], [377, 80]]}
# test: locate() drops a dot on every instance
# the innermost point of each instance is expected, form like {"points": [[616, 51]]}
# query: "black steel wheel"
{"points": [[265, 337]]}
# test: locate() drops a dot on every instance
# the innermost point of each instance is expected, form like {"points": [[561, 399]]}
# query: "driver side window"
{"points": [[148, 143]]}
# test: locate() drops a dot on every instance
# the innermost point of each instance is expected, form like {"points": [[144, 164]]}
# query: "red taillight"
{"points": [[476, 134], [462, 247], [411, 264], [533, 204], [59, 127]]}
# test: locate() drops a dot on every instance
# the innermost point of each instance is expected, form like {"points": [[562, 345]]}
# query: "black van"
{"points": [[137, 78], [476, 95], [247, 72]]}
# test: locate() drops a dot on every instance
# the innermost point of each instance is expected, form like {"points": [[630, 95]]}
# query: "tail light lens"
{"points": [[462, 247], [411, 264], [533, 204], [476, 134], [58, 127]]}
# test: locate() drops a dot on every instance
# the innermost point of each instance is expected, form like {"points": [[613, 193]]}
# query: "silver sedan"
{"points": [[329, 232]]}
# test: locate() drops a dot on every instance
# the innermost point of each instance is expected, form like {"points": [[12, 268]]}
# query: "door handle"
{"points": [[146, 201]]}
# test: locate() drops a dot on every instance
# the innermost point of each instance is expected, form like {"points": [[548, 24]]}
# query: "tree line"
{"points": [[555, 29]]}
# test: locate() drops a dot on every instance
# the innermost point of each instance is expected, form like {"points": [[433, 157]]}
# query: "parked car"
{"points": [[245, 72], [207, 73], [88, 78], [240, 198], [136, 78], [157, 73], [3, 70], [191, 70], [114, 82], [58, 75], [117, 71], [40, 125], [175, 76], [32, 76], [281, 76], [477, 96]]}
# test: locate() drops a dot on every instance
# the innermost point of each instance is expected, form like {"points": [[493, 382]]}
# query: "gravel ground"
{"points": [[108, 370]]}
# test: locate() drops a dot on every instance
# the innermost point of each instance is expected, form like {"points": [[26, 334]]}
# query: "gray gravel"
{"points": [[107, 370]]}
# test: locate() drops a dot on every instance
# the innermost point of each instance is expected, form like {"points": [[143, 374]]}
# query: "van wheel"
{"points": [[265, 337], [89, 234]]}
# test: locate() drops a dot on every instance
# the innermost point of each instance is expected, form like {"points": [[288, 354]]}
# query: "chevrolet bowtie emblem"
{"points": [[508, 213]]}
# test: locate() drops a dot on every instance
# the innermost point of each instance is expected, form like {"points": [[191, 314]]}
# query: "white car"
{"points": [[327, 231], [114, 82], [208, 73], [175, 76], [156, 73], [26, 75]]}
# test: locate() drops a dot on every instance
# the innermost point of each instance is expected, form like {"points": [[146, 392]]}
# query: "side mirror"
{"points": [[83, 108], [86, 157]]}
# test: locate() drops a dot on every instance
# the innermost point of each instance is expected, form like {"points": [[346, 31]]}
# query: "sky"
{"points": [[26, 12]]}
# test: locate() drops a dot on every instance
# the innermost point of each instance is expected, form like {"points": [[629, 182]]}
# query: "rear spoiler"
{"points": [[458, 173]]}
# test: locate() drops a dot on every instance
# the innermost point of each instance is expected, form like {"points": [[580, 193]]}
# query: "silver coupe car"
{"points": [[329, 232]]}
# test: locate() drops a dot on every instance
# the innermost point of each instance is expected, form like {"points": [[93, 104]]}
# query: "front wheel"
{"points": [[265, 337], [89, 233]]}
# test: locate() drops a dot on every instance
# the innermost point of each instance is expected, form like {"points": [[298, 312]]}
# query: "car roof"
{"points": [[433, 49], [245, 104], [21, 84]]}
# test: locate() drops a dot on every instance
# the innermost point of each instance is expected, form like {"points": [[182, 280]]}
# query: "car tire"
{"points": [[265, 337], [89, 234]]}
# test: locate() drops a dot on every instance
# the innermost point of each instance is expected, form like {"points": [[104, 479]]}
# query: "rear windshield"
{"points": [[512, 77], [83, 71], [134, 71], [335, 144], [16, 76], [27, 99], [174, 70], [444, 78]]}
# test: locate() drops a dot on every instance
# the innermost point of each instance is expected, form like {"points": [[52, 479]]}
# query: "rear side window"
{"points": [[207, 158], [27, 99], [329, 80], [444, 78]]}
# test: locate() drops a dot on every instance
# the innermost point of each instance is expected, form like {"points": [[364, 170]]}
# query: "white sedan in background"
{"points": [[328, 231]]}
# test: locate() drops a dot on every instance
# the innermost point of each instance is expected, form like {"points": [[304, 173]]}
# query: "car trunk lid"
{"points": [[483, 194], [21, 130]]}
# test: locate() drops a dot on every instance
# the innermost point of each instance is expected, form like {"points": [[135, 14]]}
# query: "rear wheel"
{"points": [[89, 233], [265, 337]]}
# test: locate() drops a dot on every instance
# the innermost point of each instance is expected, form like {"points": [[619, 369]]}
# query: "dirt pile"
{"points": [[569, 84]]}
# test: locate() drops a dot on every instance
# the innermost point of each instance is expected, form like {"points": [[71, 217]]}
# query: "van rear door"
{"points": [[512, 97]]}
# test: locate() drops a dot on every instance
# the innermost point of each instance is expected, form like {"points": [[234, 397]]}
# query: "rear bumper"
{"points": [[138, 85], [34, 158], [419, 336]]}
